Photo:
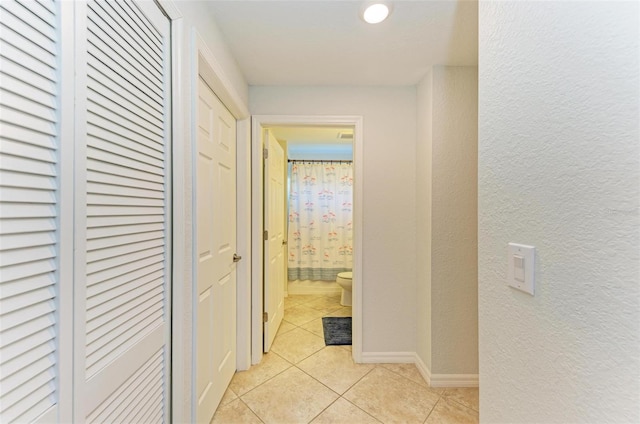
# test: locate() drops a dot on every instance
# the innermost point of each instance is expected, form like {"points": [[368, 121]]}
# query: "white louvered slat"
{"points": [[142, 125], [18, 210], [130, 260], [113, 405], [29, 166], [21, 95], [15, 148], [125, 152], [96, 38], [18, 102], [144, 402], [21, 195], [146, 45], [29, 183], [109, 256], [26, 270], [27, 255], [46, 5], [143, 27], [18, 26], [124, 182], [106, 322], [108, 124], [15, 56], [98, 87], [31, 329], [102, 210], [141, 145], [10, 131], [117, 230], [122, 43], [15, 350], [108, 221], [28, 121], [125, 338], [25, 300], [15, 366], [100, 166], [30, 18], [15, 381], [29, 399], [18, 241], [105, 68], [108, 301], [16, 287], [103, 343], [132, 122], [138, 240], [16, 179], [113, 283], [25, 45]]}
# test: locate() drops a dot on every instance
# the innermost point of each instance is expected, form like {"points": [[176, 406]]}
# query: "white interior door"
{"points": [[122, 219], [34, 282], [216, 244], [274, 244]]}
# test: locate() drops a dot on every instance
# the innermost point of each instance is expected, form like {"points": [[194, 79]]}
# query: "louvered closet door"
{"points": [[29, 213], [122, 262]]}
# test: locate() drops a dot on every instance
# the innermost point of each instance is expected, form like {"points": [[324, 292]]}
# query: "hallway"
{"points": [[303, 381]]}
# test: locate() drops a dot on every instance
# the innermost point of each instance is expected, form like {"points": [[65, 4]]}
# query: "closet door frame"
{"points": [[67, 133]]}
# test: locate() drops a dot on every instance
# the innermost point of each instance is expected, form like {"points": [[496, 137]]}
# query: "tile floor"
{"points": [[303, 381]]}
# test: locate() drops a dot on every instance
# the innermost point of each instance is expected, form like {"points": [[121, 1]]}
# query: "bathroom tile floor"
{"points": [[303, 381]]}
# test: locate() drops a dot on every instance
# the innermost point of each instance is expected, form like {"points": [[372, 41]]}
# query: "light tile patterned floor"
{"points": [[303, 381]]}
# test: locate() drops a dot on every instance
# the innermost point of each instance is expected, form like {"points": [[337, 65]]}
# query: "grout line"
{"points": [[347, 400], [254, 412], [448, 399], [433, 408]]}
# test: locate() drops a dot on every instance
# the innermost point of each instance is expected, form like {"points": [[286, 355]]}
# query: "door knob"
{"points": [[236, 258]]}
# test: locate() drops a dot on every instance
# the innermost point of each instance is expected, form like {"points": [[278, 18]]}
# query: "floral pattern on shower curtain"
{"points": [[320, 232]]}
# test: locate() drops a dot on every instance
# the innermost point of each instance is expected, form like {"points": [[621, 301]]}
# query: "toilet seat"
{"points": [[347, 275]]}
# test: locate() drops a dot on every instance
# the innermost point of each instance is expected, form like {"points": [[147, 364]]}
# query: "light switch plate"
{"points": [[521, 260]]}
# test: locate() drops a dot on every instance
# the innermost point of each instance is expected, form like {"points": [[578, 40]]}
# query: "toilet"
{"points": [[344, 280]]}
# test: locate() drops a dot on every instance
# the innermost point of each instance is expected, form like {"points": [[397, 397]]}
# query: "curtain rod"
{"points": [[320, 160]]}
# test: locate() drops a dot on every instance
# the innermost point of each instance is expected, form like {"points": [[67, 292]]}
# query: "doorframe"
{"points": [[258, 123], [189, 54]]}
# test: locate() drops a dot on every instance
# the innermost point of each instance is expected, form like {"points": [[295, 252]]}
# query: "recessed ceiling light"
{"points": [[375, 13]]}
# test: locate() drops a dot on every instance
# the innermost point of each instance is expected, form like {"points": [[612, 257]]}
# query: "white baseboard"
{"points": [[388, 357], [446, 380], [423, 368]]}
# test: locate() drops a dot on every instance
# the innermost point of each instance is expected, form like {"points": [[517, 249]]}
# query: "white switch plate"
{"points": [[520, 254]]}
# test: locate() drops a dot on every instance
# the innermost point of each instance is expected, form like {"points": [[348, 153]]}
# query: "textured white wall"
{"points": [[389, 197], [559, 169], [454, 242], [447, 273], [424, 144]]}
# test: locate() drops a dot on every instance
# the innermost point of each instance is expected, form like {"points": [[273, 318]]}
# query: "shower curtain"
{"points": [[320, 220]]}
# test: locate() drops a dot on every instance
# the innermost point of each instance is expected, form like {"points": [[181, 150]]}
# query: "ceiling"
{"points": [[309, 42], [312, 134], [315, 142]]}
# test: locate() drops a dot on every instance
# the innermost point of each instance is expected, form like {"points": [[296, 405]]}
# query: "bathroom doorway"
{"points": [[313, 139]]}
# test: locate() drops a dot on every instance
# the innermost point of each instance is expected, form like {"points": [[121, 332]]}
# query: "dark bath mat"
{"points": [[337, 330]]}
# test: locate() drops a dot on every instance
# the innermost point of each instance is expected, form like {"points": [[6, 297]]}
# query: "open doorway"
{"points": [[313, 139]]}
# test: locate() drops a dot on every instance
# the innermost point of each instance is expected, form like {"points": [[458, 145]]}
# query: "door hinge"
{"points": [[265, 153], [265, 317], [266, 235]]}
